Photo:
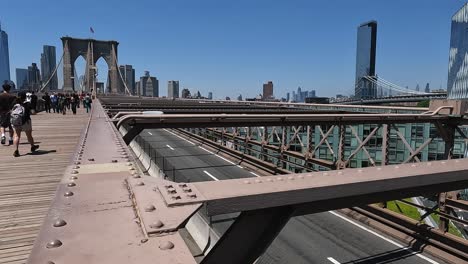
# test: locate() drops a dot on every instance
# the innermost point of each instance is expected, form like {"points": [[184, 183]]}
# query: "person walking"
{"points": [[6, 103], [20, 119], [53, 101], [73, 102], [47, 102], [62, 104], [87, 103], [33, 103]]}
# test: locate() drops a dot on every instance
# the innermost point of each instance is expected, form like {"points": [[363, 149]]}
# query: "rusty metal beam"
{"points": [[367, 184]]}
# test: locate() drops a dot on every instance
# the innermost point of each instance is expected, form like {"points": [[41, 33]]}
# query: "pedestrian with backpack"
{"points": [[20, 119], [6, 103], [87, 103]]}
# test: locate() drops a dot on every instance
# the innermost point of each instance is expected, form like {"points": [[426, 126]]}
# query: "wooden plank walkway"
{"points": [[28, 183]]}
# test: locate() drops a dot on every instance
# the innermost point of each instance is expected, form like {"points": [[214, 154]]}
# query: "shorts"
{"points": [[25, 127], [5, 120]]}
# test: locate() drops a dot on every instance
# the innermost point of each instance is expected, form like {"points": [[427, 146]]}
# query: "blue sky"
{"points": [[232, 47]]}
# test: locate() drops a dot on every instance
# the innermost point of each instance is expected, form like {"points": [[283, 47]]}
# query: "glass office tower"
{"points": [[457, 83], [365, 60], [4, 57]]}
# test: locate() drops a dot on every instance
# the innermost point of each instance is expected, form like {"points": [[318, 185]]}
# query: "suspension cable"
{"points": [[53, 73], [120, 74]]}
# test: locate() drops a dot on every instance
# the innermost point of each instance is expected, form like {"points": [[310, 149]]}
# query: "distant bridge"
{"points": [[395, 99]]}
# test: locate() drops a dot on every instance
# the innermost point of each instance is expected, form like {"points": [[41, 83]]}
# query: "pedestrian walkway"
{"points": [[28, 183]]}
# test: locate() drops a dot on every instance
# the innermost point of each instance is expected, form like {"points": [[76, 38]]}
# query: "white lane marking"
{"points": [[209, 174], [228, 161], [150, 133], [178, 136], [332, 260], [206, 150], [170, 147], [253, 173], [384, 238]]}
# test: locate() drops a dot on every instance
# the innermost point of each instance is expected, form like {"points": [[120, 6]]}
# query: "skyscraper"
{"points": [[173, 89], [128, 75], [48, 64], [427, 90], [210, 95], [34, 77], [149, 86], [365, 60], [268, 90], [186, 93], [21, 79], [4, 57], [457, 82]]}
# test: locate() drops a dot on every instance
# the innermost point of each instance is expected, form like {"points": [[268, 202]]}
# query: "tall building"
{"points": [[22, 79], [34, 77], [48, 64], [173, 89], [365, 60], [457, 81], [239, 98], [417, 87], [287, 97], [128, 75], [210, 95], [427, 90], [186, 93], [4, 57], [268, 90], [149, 86]]}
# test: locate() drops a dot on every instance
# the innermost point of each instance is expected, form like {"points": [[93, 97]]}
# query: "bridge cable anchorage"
{"points": [[120, 74], [53, 73]]}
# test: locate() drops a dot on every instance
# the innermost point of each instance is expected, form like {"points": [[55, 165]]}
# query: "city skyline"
{"points": [[193, 72]]}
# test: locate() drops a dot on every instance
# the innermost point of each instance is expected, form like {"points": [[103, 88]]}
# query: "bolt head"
{"points": [[71, 184], [73, 178], [140, 184], [150, 208], [166, 245], [68, 194], [91, 159], [74, 172], [115, 161], [157, 224], [54, 244], [59, 223]]}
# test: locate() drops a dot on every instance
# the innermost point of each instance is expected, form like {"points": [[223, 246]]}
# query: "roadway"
{"points": [[319, 238]]}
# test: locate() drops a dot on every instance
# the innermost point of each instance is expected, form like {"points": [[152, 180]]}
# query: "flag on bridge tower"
{"points": [[91, 29]]}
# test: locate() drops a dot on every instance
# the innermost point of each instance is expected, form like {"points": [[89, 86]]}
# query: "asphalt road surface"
{"points": [[318, 238]]}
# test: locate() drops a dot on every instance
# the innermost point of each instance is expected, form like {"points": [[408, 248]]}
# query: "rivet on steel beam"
{"points": [[157, 224], [166, 245], [136, 176], [186, 189], [68, 194], [59, 223], [144, 240], [140, 184], [176, 197], [76, 167], [192, 195], [132, 168], [183, 185], [114, 161], [128, 160], [54, 244], [73, 178], [71, 184], [168, 186], [150, 208], [129, 164], [91, 159], [74, 172], [77, 163], [124, 156]]}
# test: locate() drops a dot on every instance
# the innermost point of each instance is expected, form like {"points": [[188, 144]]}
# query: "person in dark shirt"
{"points": [[6, 103], [47, 102], [26, 126]]}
